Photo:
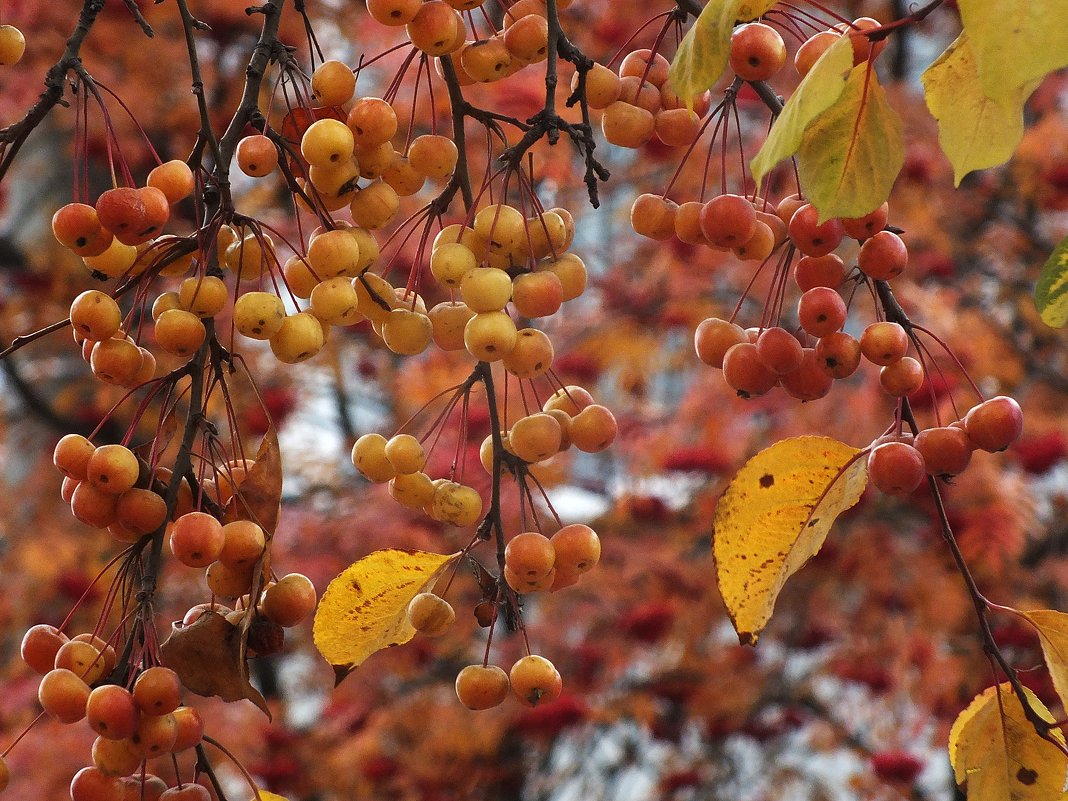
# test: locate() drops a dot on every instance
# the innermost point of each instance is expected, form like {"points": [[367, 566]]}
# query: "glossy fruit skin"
{"points": [[481, 687], [946, 450], [896, 468], [535, 680], [994, 424], [757, 52]]}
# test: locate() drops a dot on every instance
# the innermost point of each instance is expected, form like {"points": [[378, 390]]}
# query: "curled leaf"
{"points": [[817, 92], [996, 751], [1052, 629], [207, 656], [774, 517], [365, 608], [1051, 291], [260, 494]]}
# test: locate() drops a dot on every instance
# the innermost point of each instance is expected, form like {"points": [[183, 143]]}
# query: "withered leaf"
{"points": [[207, 656], [260, 494]]}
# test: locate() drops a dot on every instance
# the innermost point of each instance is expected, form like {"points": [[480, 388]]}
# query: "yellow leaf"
{"points": [[1051, 291], [702, 54], [749, 10], [1015, 42], [364, 609], [268, 796], [817, 92], [998, 753], [1053, 634], [975, 132], [774, 517], [852, 153]]}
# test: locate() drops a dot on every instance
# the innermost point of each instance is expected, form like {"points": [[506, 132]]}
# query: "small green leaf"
{"points": [[1051, 292], [975, 132], [1015, 42], [817, 92], [851, 154]]}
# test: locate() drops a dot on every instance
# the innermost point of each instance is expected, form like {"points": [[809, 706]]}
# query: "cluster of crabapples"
{"points": [[639, 103], [569, 418], [107, 486], [437, 28], [136, 717], [532, 563]]}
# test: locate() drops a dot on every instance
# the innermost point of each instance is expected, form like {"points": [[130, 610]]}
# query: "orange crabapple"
{"points": [[860, 228], [174, 179], [72, 454], [83, 659], [456, 504], [571, 271], [527, 39], [757, 51], [896, 468], [645, 65], [155, 735], [414, 490], [902, 377], [482, 686], [12, 45], [602, 86], [115, 757], [812, 237], [407, 332], [332, 83], [258, 315], [653, 216], [884, 343], [490, 336], [811, 49], [289, 601], [430, 614], [946, 450], [111, 712], [157, 691], [779, 350], [433, 156], [812, 271], [994, 424], [532, 355], [728, 220], [745, 373], [821, 311], [197, 539], [393, 12], [593, 429], [77, 227], [300, 337], [529, 555], [627, 125], [39, 646], [180, 332], [112, 469], [92, 784], [448, 320], [809, 381], [838, 354], [535, 437], [534, 680], [436, 28], [883, 256], [63, 695], [373, 121], [577, 547]]}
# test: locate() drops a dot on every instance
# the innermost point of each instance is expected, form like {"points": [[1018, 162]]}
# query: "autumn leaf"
{"points": [[364, 609], [264, 795], [1051, 291], [1015, 42], [260, 493], [975, 131], [1052, 629], [774, 517], [851, 154], [998, 753], [208, 657], [817, 92], [702, 54]]}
